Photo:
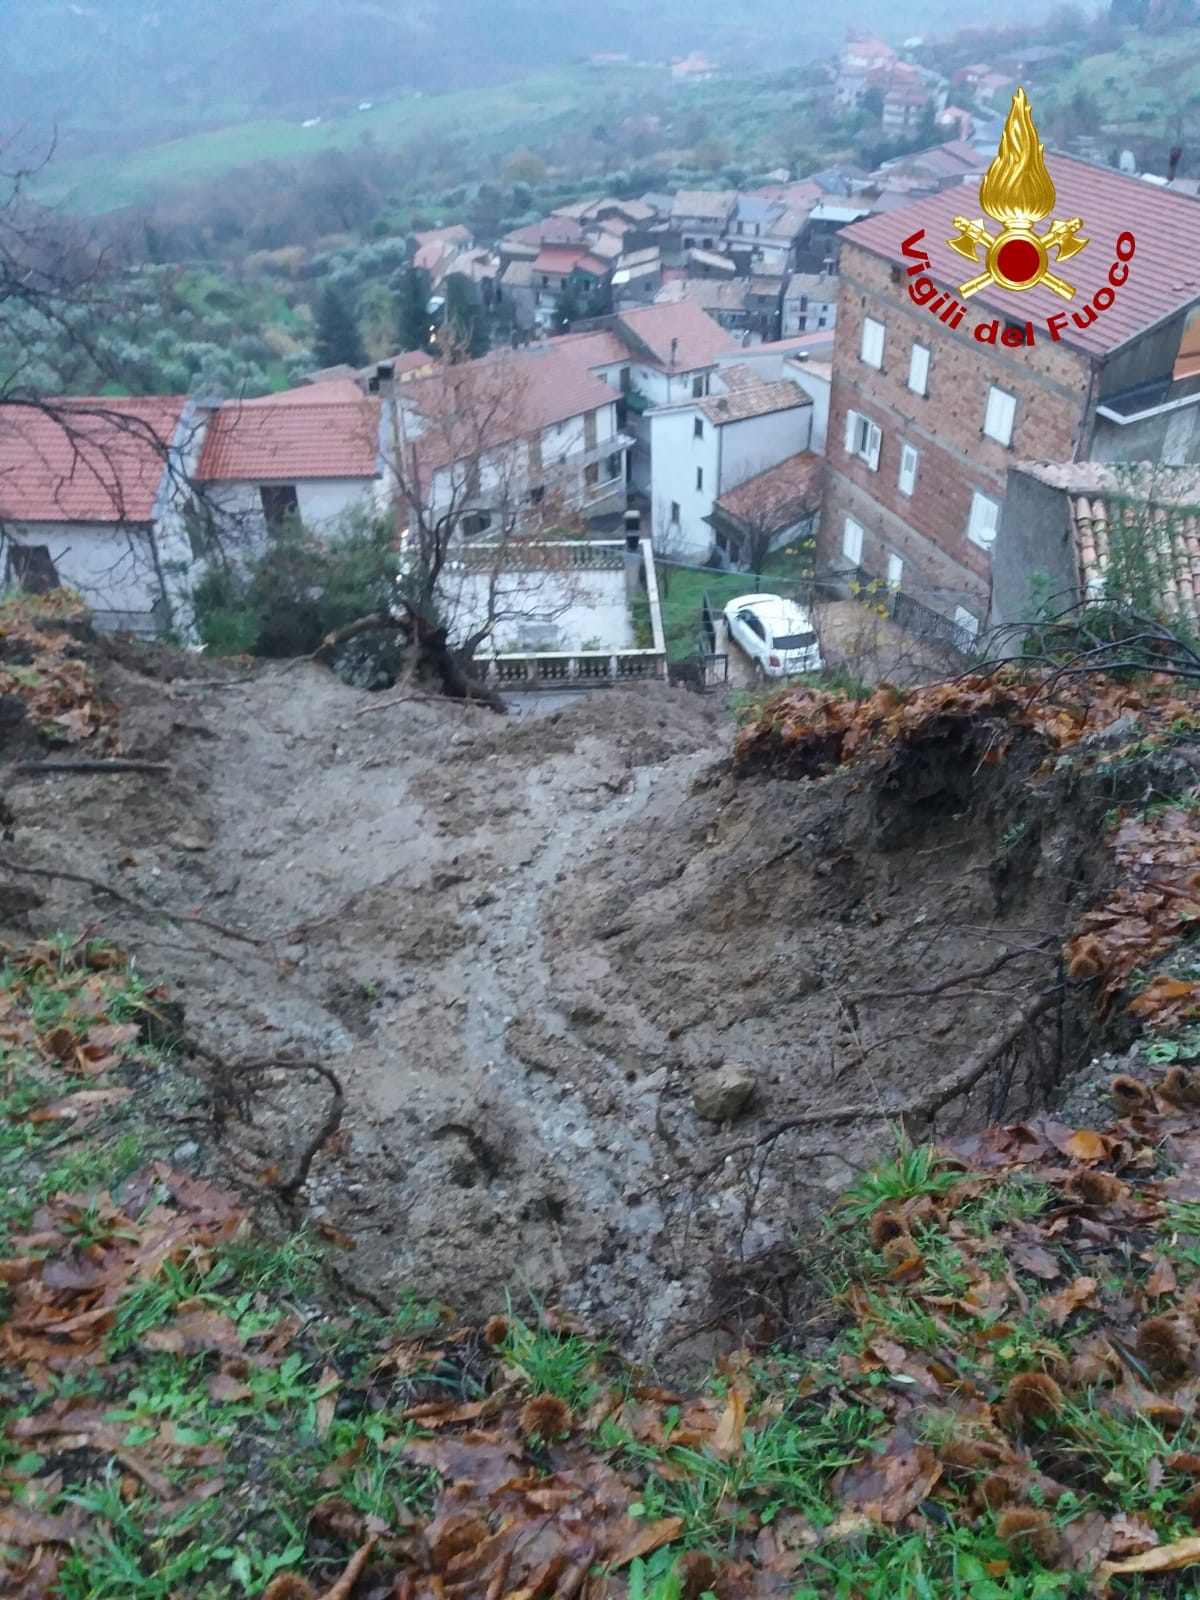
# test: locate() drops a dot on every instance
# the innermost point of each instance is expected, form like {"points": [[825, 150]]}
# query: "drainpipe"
{"points": [[633, 553]]}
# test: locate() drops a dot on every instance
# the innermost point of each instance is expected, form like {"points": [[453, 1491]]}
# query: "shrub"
{"points": [[299, 589]]}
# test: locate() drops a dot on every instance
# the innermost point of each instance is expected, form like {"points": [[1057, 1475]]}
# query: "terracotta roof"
{"points": [[793, 485], [703, 203], [290, 443], [1158, 510], [597, 268], [707, 294], [550, 230], [329, 391], [599, 349], [499, 399], [558, 258], [749, 397], [700, 339], [91, 460], [1163, 277]]}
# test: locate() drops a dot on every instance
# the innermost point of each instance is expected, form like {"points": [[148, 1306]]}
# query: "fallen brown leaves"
{"points": [[43, 666], [808, 732]]}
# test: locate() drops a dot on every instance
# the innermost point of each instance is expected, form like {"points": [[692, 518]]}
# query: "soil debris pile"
{"points": [[47, 684]]}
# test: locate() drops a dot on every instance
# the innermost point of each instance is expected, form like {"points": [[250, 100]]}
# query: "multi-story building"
{"points": [[927, 415]]}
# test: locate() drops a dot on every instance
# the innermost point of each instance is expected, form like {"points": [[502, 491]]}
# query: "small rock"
{"points": [[192, 836], [723, 1094], [186, 1151]]}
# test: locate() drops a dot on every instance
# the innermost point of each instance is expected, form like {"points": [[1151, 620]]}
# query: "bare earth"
{"points": [[518, 941]]}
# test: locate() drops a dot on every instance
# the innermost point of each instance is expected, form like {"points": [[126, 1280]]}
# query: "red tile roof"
{"points": [[501, 398], [790, 488], [254, 443], [700, 339], [550, 230], [91, 460], [559, 258], [1163, 275], [329, 391]]}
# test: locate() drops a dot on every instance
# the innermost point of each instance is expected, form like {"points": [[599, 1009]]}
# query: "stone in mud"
{"points": [[724, 1093]]}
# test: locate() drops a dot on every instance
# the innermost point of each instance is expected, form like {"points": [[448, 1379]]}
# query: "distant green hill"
{"points": [[125, 74]]}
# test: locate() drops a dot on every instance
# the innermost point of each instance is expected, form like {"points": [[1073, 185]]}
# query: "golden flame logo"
{"points": [[1017, 191]]}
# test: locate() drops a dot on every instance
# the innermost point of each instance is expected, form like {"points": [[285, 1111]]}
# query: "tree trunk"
{"points": [[435, 658]]}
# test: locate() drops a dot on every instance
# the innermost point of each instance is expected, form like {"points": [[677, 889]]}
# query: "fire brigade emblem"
{"points": [[1017, 191]]}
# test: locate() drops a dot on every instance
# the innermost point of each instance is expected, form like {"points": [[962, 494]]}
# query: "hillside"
{"points": [[128, 74]]}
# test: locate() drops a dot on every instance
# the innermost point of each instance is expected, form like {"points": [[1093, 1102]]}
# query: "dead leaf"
{"points": [[648, 1537], [1058, 1307], [727, 1440], [329, 1382], [222, 1387], [1162, 1279], [1084, 1145], [21, 1527], [344, 1587], [888, 1485], [1166, 1558]]}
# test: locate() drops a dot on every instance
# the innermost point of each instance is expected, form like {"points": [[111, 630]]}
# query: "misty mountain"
{"points": [[111, 74]]}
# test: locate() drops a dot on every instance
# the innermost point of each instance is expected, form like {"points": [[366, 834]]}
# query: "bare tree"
{"points": [[476, 497], [773, 502]]}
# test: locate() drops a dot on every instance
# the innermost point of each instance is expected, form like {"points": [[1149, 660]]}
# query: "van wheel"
{"points": [[760, 676]]}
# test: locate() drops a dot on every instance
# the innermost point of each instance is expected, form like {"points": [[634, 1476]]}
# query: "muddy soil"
{"points": [[520, 942]]}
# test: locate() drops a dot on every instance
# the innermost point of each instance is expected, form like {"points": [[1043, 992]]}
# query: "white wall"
{"points": [[582, 605], [112, 567], [676, 454], [750, 447], [816, 385], [322, 502]]}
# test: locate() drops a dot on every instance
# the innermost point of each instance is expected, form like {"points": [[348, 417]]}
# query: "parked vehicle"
{"points": [[777, 635]]}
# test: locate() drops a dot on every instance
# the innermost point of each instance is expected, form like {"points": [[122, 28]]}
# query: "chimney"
{"points": [[674, 351], [381, 380], [633, 552], [1173, 161]]}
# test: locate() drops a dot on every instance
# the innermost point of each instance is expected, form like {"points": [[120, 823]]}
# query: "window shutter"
{"points": [[852, 541], [918, 369], [871, 349], [908, 469], [998, 419], [851, 419], [874, 440], [981, 528]]}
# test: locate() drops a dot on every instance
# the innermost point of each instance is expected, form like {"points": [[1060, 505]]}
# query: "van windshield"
{"points": [[796, 641]]}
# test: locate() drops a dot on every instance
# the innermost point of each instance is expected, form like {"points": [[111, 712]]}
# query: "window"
{"points": [[614, 465], [872, 342], [699, 477], [909, 457], [675, 511], [981, 525], [30, 567], [852, 541], [591, 475], [918, 370], [697, 429], [699, 386], [476, 522], [863, 438], [895, 571], [279, 502], [753, 623], [998, 418], [966, 620], [537, 495]]}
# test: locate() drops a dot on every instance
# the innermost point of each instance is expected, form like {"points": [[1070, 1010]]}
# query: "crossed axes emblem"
{"points": [[1020, 245]]}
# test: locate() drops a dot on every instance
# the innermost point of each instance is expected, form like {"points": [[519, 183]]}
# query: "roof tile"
{"points": [[252, 443]]}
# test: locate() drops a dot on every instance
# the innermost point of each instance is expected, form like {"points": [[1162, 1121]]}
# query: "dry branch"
{"points": [[964, 1077], [952, 983], [182, 918], [114, 764]]}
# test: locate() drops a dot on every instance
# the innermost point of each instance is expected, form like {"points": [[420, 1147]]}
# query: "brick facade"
{"points": [[1054, 393]]}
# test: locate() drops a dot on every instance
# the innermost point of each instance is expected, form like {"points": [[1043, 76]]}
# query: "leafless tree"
{"points": [[772, 502], [484, 518]]}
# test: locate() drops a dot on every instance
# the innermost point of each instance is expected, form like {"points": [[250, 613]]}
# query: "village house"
{"points": [[926, 418], [94, 496], [800, 361], [862, 55], [701, 216], [818, 244], [494, 441], [315, 455], [773, 509], [809, 302], [637, 278], [706, 445]]}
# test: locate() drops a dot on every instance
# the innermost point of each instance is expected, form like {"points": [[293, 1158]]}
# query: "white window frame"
{"points": [[982, 525], [874, 333], [910, 458], [863, 439], [895, 570], [999, 415], [852, 541], [918, 369]]}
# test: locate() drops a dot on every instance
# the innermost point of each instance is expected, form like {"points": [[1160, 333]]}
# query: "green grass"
{"points": [[682, 594], [510, 116]]}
